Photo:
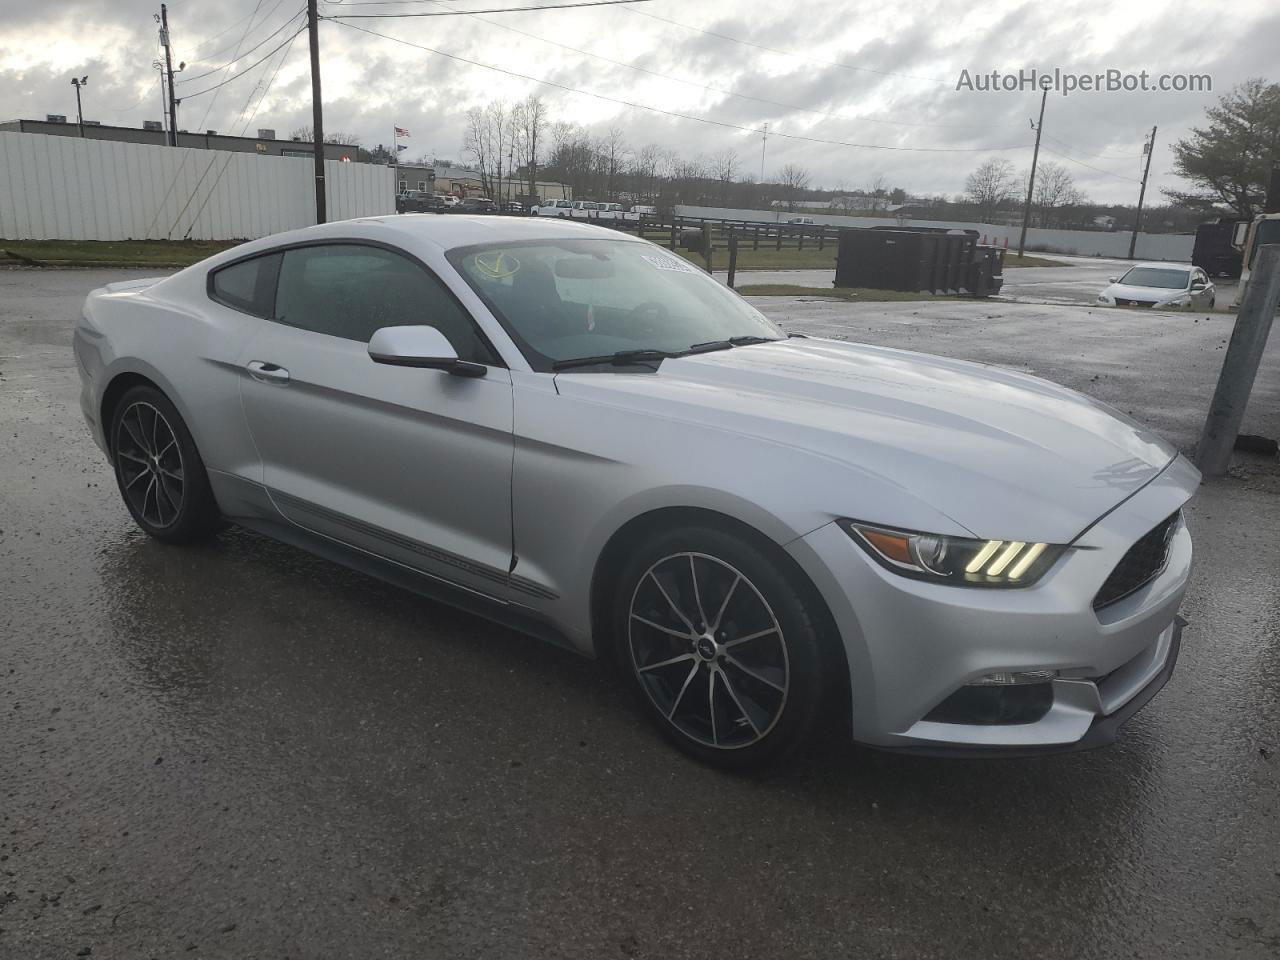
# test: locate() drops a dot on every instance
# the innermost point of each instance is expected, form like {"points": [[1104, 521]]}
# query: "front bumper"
{"points": [[1105, 727], [911, 645]]}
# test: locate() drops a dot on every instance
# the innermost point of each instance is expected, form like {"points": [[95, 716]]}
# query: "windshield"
{"points": [[1157, 277], [567, 299]]}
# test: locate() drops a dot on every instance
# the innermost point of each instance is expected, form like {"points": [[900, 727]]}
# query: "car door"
{"points": [[410, 464]]}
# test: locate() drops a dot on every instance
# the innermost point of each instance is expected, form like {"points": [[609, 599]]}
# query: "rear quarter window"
{"points": [[248, 286]]}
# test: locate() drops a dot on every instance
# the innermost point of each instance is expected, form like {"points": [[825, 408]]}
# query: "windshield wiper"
{"points": [[618, 359], [726, 344]]}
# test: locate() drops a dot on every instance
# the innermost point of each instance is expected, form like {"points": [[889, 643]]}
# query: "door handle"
{"points": [[267, 372]]}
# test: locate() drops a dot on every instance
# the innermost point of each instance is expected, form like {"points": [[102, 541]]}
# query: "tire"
{"points": [[1212, 301], [152, 451], [745, 691]]}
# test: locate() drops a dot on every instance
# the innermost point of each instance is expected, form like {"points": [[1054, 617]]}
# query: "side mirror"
{"points": [[420, 347], [1198, 284], [1113, 279]]}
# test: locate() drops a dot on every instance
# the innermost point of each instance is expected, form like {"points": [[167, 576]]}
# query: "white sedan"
{"points": [[578, 433], [1163, 285]]}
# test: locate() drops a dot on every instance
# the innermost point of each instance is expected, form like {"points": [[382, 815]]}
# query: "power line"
{"points": [[225, 31], [692, 83], [270, 53], [1118, 176], [380, 3], [458, 13], [241, 56], [681, 116], [786, 53], [220, 51], [173, 113], [208, 108], [243, 127], [1095, 156]]}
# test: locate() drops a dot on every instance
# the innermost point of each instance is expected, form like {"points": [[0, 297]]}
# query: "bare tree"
{"points": [[497, 129], [1054, 190], [989, 186], [613, 153], [646, 170], [724, 165], [530, 118], [878, 193], [476, 145], [305, 133], [795, 180]]}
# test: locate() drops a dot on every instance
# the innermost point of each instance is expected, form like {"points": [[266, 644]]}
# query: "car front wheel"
{"points": [[716, 638]]}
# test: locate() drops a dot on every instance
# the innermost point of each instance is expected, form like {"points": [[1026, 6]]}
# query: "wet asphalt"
{"points": [[236, 750]]}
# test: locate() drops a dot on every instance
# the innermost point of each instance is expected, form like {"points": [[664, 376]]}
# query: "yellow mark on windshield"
{"points": [[497, 267]]}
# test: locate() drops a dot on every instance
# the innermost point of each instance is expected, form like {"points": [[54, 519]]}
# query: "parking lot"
{"points": [[238, 750], [1079, 281]]}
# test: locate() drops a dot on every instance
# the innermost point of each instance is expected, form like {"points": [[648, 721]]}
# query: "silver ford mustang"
{"points": [[577, 433]]}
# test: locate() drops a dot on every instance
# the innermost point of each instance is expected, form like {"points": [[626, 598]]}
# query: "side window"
{"points": [[247, 286], [351, 290]]}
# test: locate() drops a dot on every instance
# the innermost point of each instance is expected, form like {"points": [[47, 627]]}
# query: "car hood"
{"points": [[1002, 454], [1130, 292]]}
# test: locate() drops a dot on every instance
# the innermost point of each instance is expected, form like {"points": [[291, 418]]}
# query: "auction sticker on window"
{"points": [[664, 262]]}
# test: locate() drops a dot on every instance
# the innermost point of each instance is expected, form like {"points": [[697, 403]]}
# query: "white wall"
{"points": [[65, 188], [1086, 243]]}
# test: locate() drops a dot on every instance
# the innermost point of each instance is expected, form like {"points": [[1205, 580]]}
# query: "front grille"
{"points": [[1121, 302], [1143, 562]]}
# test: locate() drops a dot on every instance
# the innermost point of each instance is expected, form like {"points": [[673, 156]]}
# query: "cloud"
{"points": [[894, 99]]}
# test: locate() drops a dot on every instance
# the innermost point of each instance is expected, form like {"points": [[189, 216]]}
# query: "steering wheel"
{"points": [[649, 316]]}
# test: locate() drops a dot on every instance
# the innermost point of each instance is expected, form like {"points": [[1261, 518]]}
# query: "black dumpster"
{"points": [[885, 260], [1213, 252], [986, 272], [937, 260]]}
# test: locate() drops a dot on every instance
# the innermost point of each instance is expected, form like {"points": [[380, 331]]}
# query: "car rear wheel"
{"points": [[158, 469], [717, 640]]}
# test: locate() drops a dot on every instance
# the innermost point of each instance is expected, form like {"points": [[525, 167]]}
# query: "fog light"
{"points": [[1012, 679]]}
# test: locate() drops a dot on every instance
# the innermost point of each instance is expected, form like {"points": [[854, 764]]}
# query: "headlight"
{"points": [[1181, 301], [1103, 298], [955, 560]]}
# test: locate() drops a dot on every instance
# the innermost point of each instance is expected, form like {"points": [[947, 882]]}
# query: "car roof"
{"points": [[1163, 266], [444, 232]]}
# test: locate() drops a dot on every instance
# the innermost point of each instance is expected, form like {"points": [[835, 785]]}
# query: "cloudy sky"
{"points": [[855, 74]]}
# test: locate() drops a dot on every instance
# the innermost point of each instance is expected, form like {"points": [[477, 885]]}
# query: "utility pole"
{"points": [[1149, 148], [1031, 180], [79, 82], [317, 111], [1240, 365], [164, 98], [764, 139], [168, 72]]}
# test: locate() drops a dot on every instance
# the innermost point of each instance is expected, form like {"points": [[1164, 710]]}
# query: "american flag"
{"points": [[401, 132]]}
